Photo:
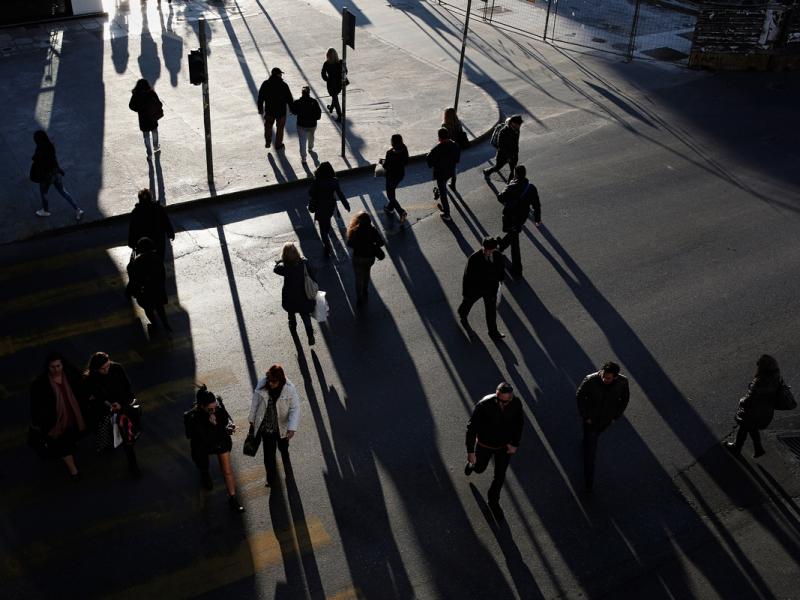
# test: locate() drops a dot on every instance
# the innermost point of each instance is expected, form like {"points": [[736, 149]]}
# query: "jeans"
{"points": [[441, 183], [391, 187], [501, 460], [512, 239], [306, 317], [361, 267], [489, 301], [273, 441], [146, 135], [57, 183], [741, 436], [305, 135], [280, 123], [325, 233], [590, 437]]}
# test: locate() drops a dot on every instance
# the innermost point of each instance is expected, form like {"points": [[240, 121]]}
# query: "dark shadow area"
{"points": [[149, 61], [171, 45]]}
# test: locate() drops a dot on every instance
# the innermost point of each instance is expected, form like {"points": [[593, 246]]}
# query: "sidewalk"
{"points": [[73, 79]]}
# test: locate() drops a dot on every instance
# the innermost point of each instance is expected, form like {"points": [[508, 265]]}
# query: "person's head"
{"points": [[397, 141], [331, 55], [145, 245], [290, 255], [360, 219], [141, 86], [766, 365], [324, 171], [520, 172], [305, 92], [276, 72], [276, 378], [54, 364], [145, 196], [515, 121], [450, 117], [206, 401], [98, 363], [40, 137], [489, 245], [443, 134], [504, 393], [609, 372]]}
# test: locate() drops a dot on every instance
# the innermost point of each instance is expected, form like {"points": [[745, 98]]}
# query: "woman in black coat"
{"points": [[332, 75], [146, 103], [147, 282], [394, 163], [110, 393], [757, 407], [322, 201], [366, 243], [294, 299], [149, 219], [58, 404], [46, 171]]}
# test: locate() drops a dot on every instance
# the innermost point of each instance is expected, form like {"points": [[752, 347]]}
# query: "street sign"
{"points": [[348, 28]]}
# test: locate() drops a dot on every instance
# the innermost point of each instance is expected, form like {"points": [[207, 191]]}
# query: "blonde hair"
{"points": [[290, 255], [331, 55]]}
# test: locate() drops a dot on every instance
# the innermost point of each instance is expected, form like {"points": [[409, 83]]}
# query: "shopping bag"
{"points": [[499, 294], [379, 170], [117, 433], [321, 309]]}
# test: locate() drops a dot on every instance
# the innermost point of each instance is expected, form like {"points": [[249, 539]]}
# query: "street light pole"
{"points": [[463, 49], [206, 107]]}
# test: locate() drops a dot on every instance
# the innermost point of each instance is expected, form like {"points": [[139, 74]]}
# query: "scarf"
{"points": [[68, 413]]}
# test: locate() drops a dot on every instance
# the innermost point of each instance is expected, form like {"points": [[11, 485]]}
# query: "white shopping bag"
{"points": [[321, 309], [499, 294], [115, 429]]}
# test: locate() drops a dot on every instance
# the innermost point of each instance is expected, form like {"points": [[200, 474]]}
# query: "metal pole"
{"points": [[546, 20], [463, 49], [632, 42], [344, 87], [206, 106]]}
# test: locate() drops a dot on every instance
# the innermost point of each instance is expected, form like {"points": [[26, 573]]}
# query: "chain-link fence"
{"points": [[654, 29]]}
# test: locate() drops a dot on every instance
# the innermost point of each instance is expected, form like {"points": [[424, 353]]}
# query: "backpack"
{"points": [[495, 139]]}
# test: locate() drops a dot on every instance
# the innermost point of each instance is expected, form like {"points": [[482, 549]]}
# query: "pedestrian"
{"points": [[394, 164], [322, 201], [209, 428], [111, 396], [274, 97], [482, 277], [294, 298], [275, 410], [332, 76], [451, 122], [602, 398], [507, 147], [517, 198], [443, 158], [58, 405], [494, 430], [146, 103], [147, 282], [757, 407], [149, 219], [367, 244], [308, 113], [46, 171]]}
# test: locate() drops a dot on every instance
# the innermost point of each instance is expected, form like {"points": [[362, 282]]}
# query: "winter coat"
{"points": [[332, 76], [274, 96], [307, 110], [205, 437], [757, 407], [482, 277], [149, 108], [366, 242], [457, 134], [150, 219], [287, 407], [600, 402], [517, 198], [43, 398], [493, 426], [147, 280], [104, 390], [293, 294], [443, 159], [44, 163], [322, 198], [394, 163], [508, 142]]}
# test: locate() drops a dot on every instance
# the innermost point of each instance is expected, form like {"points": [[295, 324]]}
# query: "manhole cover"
{"points": [[665, 53], [793, 443]]}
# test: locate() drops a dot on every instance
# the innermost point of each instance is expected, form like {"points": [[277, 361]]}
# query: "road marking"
{"points": [[58, 261]]}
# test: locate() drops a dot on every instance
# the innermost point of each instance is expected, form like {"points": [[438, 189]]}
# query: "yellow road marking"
{"points": [[56, 261]]}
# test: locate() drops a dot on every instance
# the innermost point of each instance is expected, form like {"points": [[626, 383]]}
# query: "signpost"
{"points": [[463, 49], [348, 39], [198, 75]]}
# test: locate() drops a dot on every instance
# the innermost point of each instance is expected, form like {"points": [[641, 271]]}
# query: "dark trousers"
{"points": [[391, 187], [158, 309], [489, 301], [741, 437], [502, 160], [501, 460], [444, 198], [325, 232], [306, 317], [279, 122], [590, 436], [271, 442], [130, 456], [361, 268], [512, 239]]}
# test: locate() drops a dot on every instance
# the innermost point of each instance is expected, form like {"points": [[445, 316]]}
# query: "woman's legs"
{"points": [[156, 145], [43, 187], [309, 330], [227, 472], [361, 267], [69, 461], [335, 105], [58, 183]]}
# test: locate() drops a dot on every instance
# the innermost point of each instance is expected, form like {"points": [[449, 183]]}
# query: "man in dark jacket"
{"points": [[308, 113], [507, 147], [482, 277], [443, 159], [150, 220], [494, 430], [517, 198], [273, 98], [602, 398]]}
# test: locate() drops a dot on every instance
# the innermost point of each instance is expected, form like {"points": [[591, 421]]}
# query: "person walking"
{"points": [[332, 76], [494, 431], [147, 282], [517, 198], [209, 428], [507, 147], [294, 299], [322, 201], [275, 416], [756, 408], [274, 97], [308, 113], [451, 122], [394, 164], [110, 395], [58, 405], [149, 219], [367, 244], [443, 158], [146, 103], [46, 171], [482, 277], [602, 398]]}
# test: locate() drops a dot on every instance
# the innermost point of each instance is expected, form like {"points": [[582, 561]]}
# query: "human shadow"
{"points": [[171, 46], [149, 62]]}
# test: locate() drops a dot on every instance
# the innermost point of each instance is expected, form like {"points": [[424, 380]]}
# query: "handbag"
{"points": [[251, 442], [312, 287], [785, 399], [379, 253], [380, 171]]}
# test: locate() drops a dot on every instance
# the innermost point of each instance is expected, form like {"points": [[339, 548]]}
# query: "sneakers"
{"points": [[157, 150], [496, 335], [435, 193], [446, 217], [487, 173], [468, 469], [78, 214], [329, 107], [233, 504], [42, 213], [403, 216], [388, 210]]}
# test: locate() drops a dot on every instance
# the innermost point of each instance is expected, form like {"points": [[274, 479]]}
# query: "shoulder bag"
{"points": [[312, 287]]}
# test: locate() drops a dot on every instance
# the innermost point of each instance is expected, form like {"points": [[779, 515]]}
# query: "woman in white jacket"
{"points": [[275, 410]]}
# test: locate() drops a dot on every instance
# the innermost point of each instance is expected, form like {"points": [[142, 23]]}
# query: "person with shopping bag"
{"points": [[295, 297]]}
